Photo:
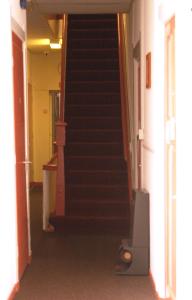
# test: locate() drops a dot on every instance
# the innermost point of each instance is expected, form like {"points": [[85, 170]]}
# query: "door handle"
{"points": [[26, 162]]}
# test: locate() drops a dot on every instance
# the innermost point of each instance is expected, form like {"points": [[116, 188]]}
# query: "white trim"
{"points": [[27, 165], [17, 29]]}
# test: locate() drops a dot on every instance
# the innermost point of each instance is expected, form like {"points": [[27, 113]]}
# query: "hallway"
{"points": [[76, 267]]}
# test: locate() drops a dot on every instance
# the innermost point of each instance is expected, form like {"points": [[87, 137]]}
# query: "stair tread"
{"points": [[99, 185], [96, 143], [91, 59], [96, 38], [93, 20], [103, 118], [97, 171], [92, 16], [95, 130], [93, 71], [104, 218], [92, 81], [95, 93], [93, 105], [99, 201], [93, 29], [94, 49], [95, 156]]}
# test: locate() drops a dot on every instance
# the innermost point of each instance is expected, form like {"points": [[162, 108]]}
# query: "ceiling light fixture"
{"points": [[55, 44]]}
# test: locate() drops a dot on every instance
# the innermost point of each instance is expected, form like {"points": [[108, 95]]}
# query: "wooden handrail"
{"points": [[63, 68], [124, 98], [60, 131], [51, 166]]}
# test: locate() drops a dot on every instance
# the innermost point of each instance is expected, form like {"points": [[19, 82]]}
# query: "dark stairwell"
{"points": [[96, 173]]}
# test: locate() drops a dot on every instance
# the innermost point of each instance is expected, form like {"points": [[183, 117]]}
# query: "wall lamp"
{"points": [[55, 44]]}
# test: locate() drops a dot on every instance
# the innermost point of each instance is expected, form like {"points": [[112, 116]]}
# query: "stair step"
{"points": [[92, 98], [95, 163], [94, 136], [92, 53], [98, 208], [92, 23], [101, 192], [92, 43], [93, 17], [92, 86], [94, 123], [89, 33], [113, 110], [87, 75], [100, 149], [92, 64], [96, 177], [114, 225]]}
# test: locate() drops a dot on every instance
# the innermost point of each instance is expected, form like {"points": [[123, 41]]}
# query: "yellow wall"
{"points": [[43, 75]]}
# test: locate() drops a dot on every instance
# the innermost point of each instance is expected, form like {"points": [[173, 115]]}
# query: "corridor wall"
{"points": [[44, 75]]}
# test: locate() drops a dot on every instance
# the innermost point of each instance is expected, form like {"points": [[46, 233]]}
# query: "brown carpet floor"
{"points": [[76, 267]]}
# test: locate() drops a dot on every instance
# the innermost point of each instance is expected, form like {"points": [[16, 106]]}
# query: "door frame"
{"points": [[170, 159]]}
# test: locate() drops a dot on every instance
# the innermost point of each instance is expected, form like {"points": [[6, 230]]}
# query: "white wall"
{"points": [[149, 27], [8, 227], [153, 144]]}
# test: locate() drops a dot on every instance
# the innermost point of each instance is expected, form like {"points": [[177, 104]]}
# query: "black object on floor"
{"points": [[133, 256]]}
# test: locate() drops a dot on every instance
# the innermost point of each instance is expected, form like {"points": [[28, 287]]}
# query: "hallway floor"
{"points": [[76, 267]]}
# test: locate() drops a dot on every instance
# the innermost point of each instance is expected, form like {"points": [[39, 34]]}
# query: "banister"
{"points": [[60, 130], [63, 68], [124, 98], [50, 165], [48, 169]]}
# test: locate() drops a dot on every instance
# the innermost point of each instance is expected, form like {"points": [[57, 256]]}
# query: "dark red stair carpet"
{"points": [[95, 170]]}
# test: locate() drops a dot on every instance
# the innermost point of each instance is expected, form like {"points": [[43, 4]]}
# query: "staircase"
{"points": [[95, 170]]}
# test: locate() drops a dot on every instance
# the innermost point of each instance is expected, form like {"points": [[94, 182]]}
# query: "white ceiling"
{"points": [[39, 11], [83, 6]]}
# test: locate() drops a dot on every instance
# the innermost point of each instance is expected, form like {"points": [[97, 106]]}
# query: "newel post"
{"points": [[60, 177]]}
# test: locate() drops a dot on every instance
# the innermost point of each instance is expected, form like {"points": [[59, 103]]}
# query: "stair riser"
{"points": [[93, 76], [105, 192], [87, 178], [99, 64], [93, 136], [87, 87], [92, 33], [95, 163], [93, 44], [94, 123], [93, 17], [92, 99], [88, 111], [92, 149], [92, 54], [98, 209], [95, 24]]}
